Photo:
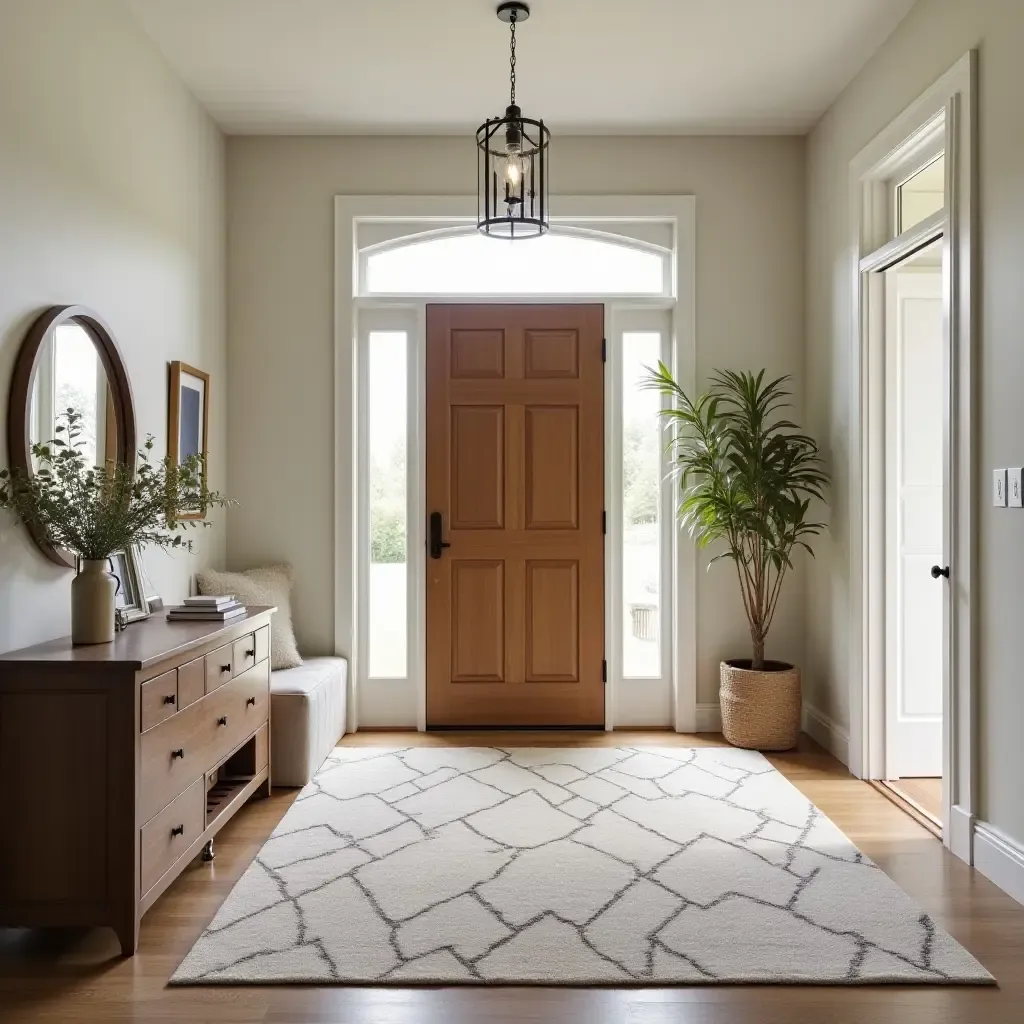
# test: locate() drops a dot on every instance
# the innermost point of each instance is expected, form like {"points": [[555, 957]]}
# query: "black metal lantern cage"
{"points": [[505, 210]]}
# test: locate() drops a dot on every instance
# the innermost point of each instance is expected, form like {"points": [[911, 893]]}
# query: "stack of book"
{"points": [[220, 608]]}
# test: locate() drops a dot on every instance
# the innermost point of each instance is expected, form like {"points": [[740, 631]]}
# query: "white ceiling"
{"points": [[585, 66]]}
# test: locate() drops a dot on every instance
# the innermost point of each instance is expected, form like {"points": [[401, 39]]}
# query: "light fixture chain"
{"points": [[512, 53]]}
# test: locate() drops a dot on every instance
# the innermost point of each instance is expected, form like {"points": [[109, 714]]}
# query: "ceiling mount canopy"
{"points": [[512, 158]]}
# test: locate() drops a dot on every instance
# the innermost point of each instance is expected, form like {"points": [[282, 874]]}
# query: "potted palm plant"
{"points": [[748, 477], [94, 511]]}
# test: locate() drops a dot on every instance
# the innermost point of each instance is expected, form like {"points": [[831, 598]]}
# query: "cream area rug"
{"points": [[614, 866]]}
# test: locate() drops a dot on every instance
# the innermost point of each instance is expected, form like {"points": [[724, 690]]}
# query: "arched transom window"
{"points": [[566, 261]]}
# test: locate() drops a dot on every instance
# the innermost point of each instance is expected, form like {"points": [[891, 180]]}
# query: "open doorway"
{"points": [[915, 573]]}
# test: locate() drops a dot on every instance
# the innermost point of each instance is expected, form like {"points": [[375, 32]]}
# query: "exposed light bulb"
{"points": [[516, 167]]}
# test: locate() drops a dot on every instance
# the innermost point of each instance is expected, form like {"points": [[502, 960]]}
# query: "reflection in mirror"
{"points": [[70, 374]]}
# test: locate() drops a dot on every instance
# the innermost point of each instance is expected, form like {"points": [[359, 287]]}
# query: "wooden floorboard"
{"points": [[77, 976], [926, 793]]}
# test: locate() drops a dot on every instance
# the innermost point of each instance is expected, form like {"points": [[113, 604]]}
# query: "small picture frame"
{"points": [[188, 409], [130, 603]]}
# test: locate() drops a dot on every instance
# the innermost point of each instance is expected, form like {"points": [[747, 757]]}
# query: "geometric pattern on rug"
{"points": [[615, 866]]}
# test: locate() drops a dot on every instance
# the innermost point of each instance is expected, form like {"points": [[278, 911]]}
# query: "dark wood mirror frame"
{"points": [[19, 409]]}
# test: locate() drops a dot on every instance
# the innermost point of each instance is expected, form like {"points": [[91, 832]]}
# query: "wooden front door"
{"points": [[515, 486]]}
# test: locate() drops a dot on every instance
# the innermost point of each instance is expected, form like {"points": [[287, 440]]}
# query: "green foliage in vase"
{"points": [[97, 510], [748, 477]]}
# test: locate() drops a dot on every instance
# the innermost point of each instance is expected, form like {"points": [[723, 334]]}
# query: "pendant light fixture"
{"points": [[512, 159]]}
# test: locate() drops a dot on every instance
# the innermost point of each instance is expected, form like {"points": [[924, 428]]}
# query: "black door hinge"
{"points": [[604, 350], [604, 522], [604, 671]]}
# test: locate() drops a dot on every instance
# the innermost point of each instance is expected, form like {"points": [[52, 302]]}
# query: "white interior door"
{"points": [[915, 511]]}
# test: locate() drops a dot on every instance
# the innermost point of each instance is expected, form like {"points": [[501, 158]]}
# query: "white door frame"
{"points": [[349, 590], [942, 118]]}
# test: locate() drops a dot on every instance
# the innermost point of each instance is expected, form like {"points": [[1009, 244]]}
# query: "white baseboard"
{"points": [[823, 730], [816, 724], [709, 717], [1000, 859], [961, 833]]}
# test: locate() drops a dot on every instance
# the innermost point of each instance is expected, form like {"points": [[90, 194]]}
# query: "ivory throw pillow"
{"points": [[271, 585]]}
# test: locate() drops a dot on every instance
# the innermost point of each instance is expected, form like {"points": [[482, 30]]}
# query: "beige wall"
{"points": [[932, 38], [111, 195], [750, 237]]}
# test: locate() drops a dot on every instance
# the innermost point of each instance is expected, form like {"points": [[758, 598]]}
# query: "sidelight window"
{"points": [[388, 489]]}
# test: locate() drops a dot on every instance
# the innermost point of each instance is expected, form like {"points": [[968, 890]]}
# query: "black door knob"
{"points": [[223, 720], [937, 572]]}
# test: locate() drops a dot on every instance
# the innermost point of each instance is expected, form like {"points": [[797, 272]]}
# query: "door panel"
{"points": [[552, 621], [552, 467], [515, 467], [478, 620], [915, 503], [478, 355], [477, 467], [551, 354]]}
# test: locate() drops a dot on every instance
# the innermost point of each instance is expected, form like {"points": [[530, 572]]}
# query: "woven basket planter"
{"points": [[760, 710]]}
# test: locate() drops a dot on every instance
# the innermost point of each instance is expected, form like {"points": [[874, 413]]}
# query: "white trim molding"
{"points": [[823, 730], [943, 119], [961, 833], [709, 717], [649, 221], [1000, 859]]}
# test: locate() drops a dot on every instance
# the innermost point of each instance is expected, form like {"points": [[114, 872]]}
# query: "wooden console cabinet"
{"points": [[119, 762]]}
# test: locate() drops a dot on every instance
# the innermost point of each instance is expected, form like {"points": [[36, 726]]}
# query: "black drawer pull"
{"points": [[223, 720], [252, 701], [178, 830], [225, 668], [169, 699], [251, 654], [180, 752]]}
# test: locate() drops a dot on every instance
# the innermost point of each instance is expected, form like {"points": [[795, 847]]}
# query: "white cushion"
{"points": [[307, 717]]}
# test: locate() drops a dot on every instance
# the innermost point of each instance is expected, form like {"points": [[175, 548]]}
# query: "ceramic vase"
{"points": [[92, 603]]}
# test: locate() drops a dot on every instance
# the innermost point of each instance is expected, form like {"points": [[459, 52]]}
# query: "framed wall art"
{"points": [[188, 420]]}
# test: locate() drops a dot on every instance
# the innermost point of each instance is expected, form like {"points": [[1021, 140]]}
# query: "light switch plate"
{"points": [[999, 488], [1014, 491]]}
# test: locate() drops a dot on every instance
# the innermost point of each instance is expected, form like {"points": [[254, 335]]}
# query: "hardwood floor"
{"points": [[926, 793], [78, 976]]}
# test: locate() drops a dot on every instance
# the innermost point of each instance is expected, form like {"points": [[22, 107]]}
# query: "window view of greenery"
{"points": [[387, 483], [641, 487], [76, 380]]}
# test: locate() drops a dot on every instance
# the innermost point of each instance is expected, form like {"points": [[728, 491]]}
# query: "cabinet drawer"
{"points": [[159, 699], [246, 707], [168, 835], [191, 682], [243, 654], [218, 667], [186, 746], [263, 643]]}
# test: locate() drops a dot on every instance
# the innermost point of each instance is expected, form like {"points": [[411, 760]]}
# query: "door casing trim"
{"points": [[946, 114], [679, 212]]}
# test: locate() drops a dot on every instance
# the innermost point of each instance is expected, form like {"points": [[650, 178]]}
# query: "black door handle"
{"points": [[436, 544], [937, 572]]}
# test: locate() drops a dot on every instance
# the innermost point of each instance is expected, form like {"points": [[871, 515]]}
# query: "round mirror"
{"points": [[69, 360]]}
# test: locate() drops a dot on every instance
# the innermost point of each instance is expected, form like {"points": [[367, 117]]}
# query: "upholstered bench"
{"points": [[307, 717]]}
